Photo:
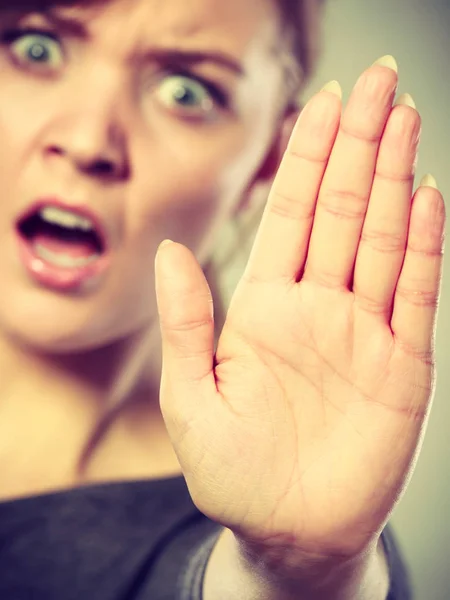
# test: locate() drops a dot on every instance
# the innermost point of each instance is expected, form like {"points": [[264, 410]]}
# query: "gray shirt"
{"points": [[139, 540]]}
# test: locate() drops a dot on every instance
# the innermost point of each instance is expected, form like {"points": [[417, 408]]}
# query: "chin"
{"points": [[56, 324], [111, 308]]}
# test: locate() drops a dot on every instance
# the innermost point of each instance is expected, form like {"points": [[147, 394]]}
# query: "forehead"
{"points": [[229, 24]]}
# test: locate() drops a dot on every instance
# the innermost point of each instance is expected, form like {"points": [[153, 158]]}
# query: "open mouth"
{"points": [[62, 247], [61, 237]]}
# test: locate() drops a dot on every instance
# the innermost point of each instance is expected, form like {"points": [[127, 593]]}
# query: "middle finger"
{"points": [[346, 185]]}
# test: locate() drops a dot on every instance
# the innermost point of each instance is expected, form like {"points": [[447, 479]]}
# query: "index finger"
{"points": [[283, 235]]}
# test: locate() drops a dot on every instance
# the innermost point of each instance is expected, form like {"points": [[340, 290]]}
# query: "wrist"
{"points": [[301, 576]]}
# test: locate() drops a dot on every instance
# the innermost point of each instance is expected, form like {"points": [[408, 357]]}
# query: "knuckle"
{"points": [[288, 207], [424, 355], [419, 297], [343, 203], [401, 178], [383, 241], [428, 250], [297, 156], [359, 135], [190, 325], [325, 279], [369, 305]]}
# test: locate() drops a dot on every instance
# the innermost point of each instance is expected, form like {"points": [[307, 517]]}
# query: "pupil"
{"points": [[184, 95], [37, 51]]}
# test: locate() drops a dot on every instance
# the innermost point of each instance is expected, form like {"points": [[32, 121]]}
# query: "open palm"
{"points": [[306, 422]]}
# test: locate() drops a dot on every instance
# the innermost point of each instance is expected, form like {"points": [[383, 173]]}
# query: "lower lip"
{"points": [[59, 278]]}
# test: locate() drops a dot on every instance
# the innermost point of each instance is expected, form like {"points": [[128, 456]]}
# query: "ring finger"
{"points": [[383, 241]]}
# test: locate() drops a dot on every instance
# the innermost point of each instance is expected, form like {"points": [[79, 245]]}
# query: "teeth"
{"points": [[63, 260], [58, 216]]}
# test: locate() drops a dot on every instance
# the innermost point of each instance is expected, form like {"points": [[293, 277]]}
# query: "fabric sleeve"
{"points": [[399, 575], [192, 578], [191, 581]]}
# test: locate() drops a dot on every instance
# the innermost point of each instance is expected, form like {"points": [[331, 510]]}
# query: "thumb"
{"points": [[185, 308]]}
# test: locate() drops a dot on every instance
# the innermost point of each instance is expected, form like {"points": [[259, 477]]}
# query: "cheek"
{"points": [[187, 185], [23, 118], [18, 119]]}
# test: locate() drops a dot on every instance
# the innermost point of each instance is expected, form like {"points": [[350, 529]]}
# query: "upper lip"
{"points": [[75, 207]]}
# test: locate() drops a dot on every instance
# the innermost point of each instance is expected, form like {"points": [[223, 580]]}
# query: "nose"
{"points": [[91, 139]]}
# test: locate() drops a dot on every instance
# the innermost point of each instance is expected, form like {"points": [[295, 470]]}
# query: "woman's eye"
{"points": [[37, 48], [188, 96]]}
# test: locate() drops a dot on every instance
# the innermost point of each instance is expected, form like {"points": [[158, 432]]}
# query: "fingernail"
{"points": [[405, 99], [428, 181], [164, 243], [333, 87], [387, 61]]}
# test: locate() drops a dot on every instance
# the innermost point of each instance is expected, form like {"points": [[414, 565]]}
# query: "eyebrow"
{"points": [[77, 28], [70, 25], [191, 57]]}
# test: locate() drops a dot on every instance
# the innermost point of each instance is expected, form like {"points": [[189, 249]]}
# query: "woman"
{"points": [[269, 468]]}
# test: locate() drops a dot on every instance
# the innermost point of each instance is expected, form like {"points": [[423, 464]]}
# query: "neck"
{"points": [[51, 408]]}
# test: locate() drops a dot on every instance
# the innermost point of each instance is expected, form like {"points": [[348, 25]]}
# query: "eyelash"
{"points": [[218, 94], [10, 36]]}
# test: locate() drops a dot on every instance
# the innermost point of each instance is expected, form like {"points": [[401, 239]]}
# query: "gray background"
{"points": [[416, 32]]}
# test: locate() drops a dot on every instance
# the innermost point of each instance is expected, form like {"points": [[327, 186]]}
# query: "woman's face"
{"points": [[152, 116]]}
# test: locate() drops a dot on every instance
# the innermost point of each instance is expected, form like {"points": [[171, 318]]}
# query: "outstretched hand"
{"points": [[304, 426]]}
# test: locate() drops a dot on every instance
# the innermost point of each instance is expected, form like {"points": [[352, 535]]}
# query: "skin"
{"points": [[57, 121], [300, 432]]}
